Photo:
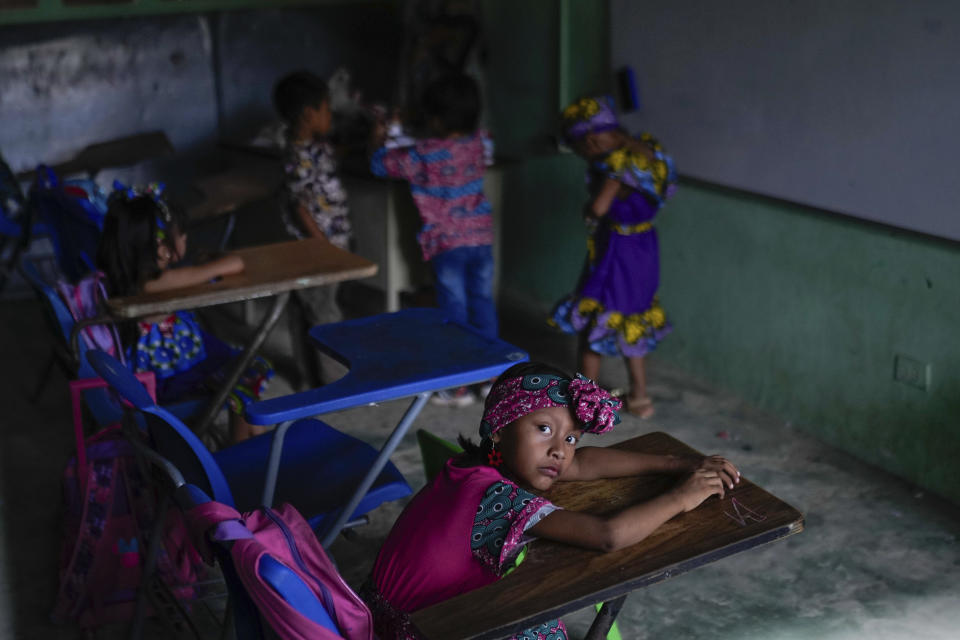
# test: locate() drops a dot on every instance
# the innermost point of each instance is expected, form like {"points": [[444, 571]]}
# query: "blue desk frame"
{"points": [[413, 352]]}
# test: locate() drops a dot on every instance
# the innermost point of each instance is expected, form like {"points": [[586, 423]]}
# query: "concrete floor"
{"points": [[878, 559]]}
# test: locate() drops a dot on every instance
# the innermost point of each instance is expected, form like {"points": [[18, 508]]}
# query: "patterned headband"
{"points": [[588, 115], [154, 191], [594, 407]]}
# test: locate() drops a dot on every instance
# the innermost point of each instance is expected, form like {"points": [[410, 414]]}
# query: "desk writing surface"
{"points": [[556, 579], [391, 356], [228, 190], [268, 270], [120, 152]]}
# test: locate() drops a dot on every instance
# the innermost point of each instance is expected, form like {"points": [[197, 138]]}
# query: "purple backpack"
{"points": [[283, 536], [85, 300]]}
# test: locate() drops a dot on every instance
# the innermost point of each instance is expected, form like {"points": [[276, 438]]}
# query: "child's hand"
{"points": [[728, 473], [701, 484], [591, 223]]}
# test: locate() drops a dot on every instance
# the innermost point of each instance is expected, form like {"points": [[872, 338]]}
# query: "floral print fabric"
{"points": [[656, 177], [588, 115], [184, 360], [170, 346], [594, 407], [312, 183], [615, 304], [446, 182], [503, 515]]}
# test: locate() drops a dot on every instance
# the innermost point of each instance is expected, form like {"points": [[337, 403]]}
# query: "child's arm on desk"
{"points": [[633, 524], [177, 277], [709, 475], [593, 463]]}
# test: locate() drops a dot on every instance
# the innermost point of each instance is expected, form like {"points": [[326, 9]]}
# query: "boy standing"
{"points": [[315, 201]]}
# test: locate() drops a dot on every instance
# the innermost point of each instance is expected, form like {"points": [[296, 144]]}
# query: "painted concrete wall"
{"points": [[65, 85], [803, 312], [800, 311], [256, 47]]}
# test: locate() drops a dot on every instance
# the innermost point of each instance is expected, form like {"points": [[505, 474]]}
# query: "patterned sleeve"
{"points": [[400, 162], [657, 177], [505, 512], [297, 168]]}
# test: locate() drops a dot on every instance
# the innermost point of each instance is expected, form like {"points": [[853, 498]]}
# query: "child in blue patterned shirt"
{"points": [[445, 171]]}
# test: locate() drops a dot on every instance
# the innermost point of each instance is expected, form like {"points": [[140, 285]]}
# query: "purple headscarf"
{"points": [[595, 409], [588, 115]]}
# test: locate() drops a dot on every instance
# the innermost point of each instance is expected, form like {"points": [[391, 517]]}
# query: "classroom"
{"points": [[800, 286]]}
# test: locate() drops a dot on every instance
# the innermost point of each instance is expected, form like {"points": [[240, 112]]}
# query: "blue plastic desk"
{"points": [[413, 352]]}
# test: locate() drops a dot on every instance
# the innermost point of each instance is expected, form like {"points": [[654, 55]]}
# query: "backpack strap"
{"points": [[211, 522], [85, 300], [100, 296]]}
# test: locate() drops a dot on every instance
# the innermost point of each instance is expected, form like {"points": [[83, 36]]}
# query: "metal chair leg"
{"points": [[605, 618], [149, 566], [241, 363], [226, 629]]}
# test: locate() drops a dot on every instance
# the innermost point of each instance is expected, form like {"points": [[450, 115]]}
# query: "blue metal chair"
{"points": [[73, 223], [241, 612], [319, 466], [17, 227], [413, 352], [102, 406]]}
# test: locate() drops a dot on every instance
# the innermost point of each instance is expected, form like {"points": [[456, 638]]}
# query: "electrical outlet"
{"points": [[911, 371]]}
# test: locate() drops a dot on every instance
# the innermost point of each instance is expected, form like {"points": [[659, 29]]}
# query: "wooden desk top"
{"points": [[120, 152], [269, 269], [228, 190], [556, 579]]}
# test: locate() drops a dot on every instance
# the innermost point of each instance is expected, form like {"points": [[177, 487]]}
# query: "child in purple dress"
{"points": [[615, 308], [477, 516]]}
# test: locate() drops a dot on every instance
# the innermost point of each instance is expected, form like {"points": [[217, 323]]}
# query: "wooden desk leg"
{"points": [[242, 363], [604, 620]]}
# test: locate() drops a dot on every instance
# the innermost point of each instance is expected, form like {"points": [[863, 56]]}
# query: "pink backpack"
{"points": [[85, 300], [110, 507], [267, 535]]}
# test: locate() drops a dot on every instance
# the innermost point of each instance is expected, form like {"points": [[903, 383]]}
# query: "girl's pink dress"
{"points": [[460, 532]]}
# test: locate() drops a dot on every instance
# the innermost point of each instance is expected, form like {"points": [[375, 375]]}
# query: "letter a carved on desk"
{"points": [[742, 513]]}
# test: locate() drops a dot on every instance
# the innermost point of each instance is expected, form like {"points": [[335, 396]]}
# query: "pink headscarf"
{"points": [[593, 406]]}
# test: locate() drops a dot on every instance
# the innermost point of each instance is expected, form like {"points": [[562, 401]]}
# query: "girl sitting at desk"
{"points": [[477, 515], [143, 240]]}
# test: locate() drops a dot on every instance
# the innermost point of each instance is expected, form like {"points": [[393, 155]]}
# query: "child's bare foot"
{"points": [[641, 407], [245, 431]]}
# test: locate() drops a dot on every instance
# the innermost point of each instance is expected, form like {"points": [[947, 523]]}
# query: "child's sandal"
{"points": [[641, 407]]}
